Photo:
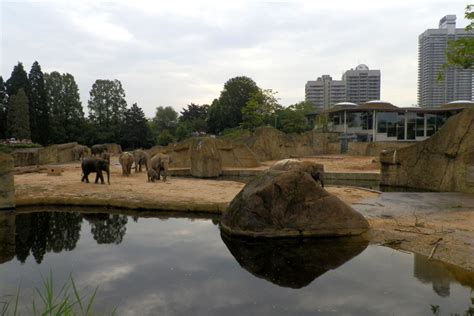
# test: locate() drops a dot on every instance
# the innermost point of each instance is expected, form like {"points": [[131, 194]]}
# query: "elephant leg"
{"points": [[85, 177]]}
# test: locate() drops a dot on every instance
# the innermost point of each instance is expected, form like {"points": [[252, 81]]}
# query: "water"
{"points": [[183, 266]]}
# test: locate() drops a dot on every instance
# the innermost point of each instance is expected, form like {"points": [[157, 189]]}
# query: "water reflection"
{"points": [[107, 228], [440, 274], [292, 263]]}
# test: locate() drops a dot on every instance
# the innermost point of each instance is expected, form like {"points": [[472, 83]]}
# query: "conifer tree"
{"points": [[18, 80], [18, 118], [3, 109], [135, 131], [39, 112]]}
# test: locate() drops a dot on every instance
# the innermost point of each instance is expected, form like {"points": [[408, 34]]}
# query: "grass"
{"points": [[68, 301]]}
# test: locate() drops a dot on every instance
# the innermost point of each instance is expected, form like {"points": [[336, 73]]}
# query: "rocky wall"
{"points": [[7, 188], [444, 162], [113, 148]]}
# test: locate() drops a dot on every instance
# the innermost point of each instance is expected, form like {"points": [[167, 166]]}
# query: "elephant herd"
{"points": [[156, 166]]}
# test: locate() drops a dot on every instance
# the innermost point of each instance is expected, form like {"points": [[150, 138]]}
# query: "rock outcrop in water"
{"points": [[7, 188], [292, 263], [289, 204]]}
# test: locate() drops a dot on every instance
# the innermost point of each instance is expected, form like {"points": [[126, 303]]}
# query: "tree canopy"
{"points": [[260, 109], [460, 52], [107, 108], [3, 109], [135, 130], [18, 118], [39, 111]]}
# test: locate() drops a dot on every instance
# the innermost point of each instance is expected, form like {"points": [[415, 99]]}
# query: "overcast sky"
{"points": [[178, 52]]}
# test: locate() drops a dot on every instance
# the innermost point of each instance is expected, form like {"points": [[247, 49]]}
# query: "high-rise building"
{"points": [[325, 92], [456, 83], [362, 84], [358, 85]]}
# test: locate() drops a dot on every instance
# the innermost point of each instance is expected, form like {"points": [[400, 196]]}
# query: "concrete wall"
{"points": [[44, 155]]}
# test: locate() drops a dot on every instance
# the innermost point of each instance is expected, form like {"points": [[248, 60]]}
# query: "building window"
{"points": [[400, 126], [420, 125], [386, 123]]}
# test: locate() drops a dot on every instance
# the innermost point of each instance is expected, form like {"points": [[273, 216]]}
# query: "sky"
{"points": [[172, 53]]}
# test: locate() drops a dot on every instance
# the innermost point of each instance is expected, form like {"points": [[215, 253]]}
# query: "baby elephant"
{"points": [[152, 175]]}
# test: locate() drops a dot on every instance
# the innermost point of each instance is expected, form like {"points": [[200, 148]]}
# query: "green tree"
{"points": [[3, 109], [292, 119], [107, 108], [260, 109], [165, 138], [18, 80], [18, 118], [135, 130], [66, 115], [226, 113], [460, 52], [194, 112], [166, 118], [183, 130], [39, 112]]}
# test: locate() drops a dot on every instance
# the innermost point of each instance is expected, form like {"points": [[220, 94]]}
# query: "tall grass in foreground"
{"points": [[67, 302]]}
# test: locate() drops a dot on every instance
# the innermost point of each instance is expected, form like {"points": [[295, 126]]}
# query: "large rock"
{"points": [[293, 263], [7, 188], [205, 158], [289, 204], [315, 169], [444, 162]]}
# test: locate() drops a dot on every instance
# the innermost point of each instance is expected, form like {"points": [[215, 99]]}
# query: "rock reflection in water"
{"points": [[293, 263]]}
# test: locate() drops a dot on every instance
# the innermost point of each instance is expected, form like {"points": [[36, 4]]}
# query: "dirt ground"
{"points": [[134, 192], [445, 235]]}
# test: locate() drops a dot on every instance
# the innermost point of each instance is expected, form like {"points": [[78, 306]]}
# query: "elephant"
{"points": [[126, 160], [98, 149], [141, 158], [152, 175], [105, 156], [96, 165], [80, 152], [160, 163]]}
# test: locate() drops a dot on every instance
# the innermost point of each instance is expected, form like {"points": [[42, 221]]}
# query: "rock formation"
{"points": [[205, 158], [315, 169], [289, 204], [292, 263], [444, 162], [7, 188]]}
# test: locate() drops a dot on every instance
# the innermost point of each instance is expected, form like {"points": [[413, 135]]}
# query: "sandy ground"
{"points": [[444, 232], [181, 194]]}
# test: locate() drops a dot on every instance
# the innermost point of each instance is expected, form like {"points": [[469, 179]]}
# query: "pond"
{"points": [[183, 266]]}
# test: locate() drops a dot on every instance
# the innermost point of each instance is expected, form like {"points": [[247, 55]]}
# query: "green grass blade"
{"points": [[16, 300], [76, 293], [91, 301]]}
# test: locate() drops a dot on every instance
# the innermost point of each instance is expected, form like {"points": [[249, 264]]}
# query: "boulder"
{"points": [[205, 158], [7, 188], [315, 169], [289, 204], [444, 162], [293, 263]]}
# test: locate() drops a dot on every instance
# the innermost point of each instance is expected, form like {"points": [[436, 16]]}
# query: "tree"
{"points": [[39, 112], [18, 80], [194, 112], [3, 109], [460, 52], [18, 118], [107, 108], [166, 118], [292, 119], [260, 109], [135, 130], [164, 138], [66, 115], [226, 112]]}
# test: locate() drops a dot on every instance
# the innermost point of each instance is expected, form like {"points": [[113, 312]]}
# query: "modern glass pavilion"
{"points": [[382, 121]]}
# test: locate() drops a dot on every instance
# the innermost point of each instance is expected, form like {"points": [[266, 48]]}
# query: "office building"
{"points": [[358, 85], [362, 84], [325, 92], [456, 83]]}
